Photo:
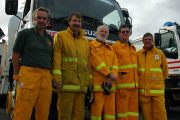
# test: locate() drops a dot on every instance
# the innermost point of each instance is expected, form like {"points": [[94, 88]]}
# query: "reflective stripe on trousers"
{"points": [[124, 115], [152, 91]]}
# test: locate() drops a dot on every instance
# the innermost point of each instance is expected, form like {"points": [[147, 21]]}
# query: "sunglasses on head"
{"points": [[125, 31], [44, 18]]}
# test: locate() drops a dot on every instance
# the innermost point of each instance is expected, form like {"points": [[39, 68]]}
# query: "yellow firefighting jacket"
{"points": [[127, 58], [103, 61], [71, 63], [152, 70]]}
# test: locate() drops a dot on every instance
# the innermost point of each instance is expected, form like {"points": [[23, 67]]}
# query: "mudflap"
{"points": [[9, 102], [3, 99]]}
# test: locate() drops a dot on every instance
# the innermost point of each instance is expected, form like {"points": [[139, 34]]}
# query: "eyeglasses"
{"points": [[125, 32], [44, 18]]}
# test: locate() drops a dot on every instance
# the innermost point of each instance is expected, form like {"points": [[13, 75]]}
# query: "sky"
{"points": [[147, 15]]}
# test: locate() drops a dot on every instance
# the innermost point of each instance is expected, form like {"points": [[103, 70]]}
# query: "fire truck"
{"points": [[94, 13]]}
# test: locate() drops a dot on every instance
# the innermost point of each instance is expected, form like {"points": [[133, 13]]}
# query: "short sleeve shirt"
{"points": [[35, 50]]}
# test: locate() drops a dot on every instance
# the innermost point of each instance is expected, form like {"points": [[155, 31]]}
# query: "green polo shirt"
{"points": [[35, 50]]}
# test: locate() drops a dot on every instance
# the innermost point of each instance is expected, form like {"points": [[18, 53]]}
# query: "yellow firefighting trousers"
{"points": [[34, 89], [103, 106], [71, 105], [127, 104], [153, 107]]}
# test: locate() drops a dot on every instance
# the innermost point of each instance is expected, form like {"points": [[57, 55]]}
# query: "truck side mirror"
{"points": [[1, 33], [128, 19], [125, 12], [11, 7], [158, 40]]}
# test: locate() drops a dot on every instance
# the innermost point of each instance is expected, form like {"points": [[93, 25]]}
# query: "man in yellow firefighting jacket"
{"points": [[127, 85], [71, 69], [104, 74], [153, 70]]}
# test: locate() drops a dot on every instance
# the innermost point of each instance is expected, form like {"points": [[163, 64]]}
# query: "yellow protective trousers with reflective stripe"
{"points": [[153, 107], [103, 106], [70, 105], [34, 89], [127, 104]]}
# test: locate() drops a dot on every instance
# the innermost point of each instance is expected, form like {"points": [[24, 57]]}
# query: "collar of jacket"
{"points": [[154, 49], [81, 32], [123, 45], [96, 43]]}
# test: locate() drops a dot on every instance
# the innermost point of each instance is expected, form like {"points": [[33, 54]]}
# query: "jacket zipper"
{"points": [[133, 67]]}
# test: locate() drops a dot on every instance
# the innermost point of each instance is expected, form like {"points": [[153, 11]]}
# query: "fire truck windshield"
{"points": [[178, 31], [94, 12], [169, 44]]}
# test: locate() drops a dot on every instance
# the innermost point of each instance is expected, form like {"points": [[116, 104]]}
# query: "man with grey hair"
{"points": [[31, 59], [104, 65]]}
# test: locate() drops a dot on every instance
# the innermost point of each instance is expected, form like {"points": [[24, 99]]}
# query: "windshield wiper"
{"points": [[60, 19], [95, 22]]}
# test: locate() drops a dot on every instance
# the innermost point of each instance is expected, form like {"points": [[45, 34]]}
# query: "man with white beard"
{"points": [[104, 65]]}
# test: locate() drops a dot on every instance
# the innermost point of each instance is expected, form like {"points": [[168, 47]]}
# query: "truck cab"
{"points": [[94, 12], [168, 40]]}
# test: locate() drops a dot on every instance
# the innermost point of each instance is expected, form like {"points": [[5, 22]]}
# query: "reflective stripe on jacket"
{"points": [[127, 58], [152, 70], [71, 61]]}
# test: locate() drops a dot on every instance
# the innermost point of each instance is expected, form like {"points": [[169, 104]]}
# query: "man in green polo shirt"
{"points": [[32, 62]]}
